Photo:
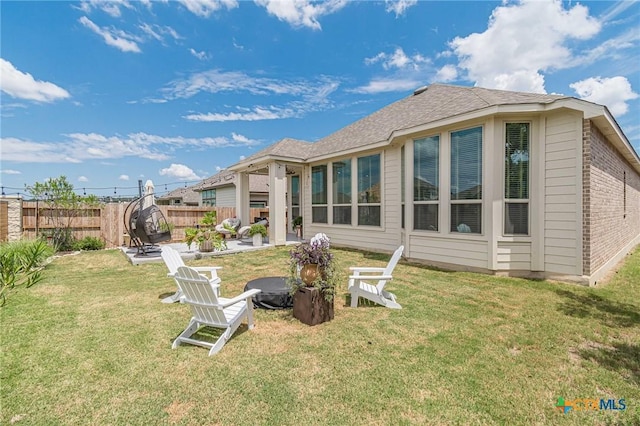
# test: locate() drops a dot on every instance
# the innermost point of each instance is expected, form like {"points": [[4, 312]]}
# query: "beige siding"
{"points": [[453, 251], [226, 197], [561, 225], [515, 256]]}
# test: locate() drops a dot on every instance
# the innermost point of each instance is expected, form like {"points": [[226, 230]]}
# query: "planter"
{"points": [[257, 240], [298, 231], [309, 273], [206, 246]]}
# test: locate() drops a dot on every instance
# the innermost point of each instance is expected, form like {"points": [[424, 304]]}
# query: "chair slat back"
{"points": [[172, 259], [200, 295], [390, 267]]}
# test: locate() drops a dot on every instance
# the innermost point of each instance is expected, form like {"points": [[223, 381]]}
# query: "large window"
{"points": [[516, 179], [319, 194], [209, 197], [342, 192], [369, 190], [466, 181], [426, 172]]}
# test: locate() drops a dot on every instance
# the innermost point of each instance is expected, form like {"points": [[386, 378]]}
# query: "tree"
{"points": [[61, 206]]}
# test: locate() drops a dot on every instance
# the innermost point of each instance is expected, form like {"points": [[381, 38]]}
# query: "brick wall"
{"points": [[611, 198]]}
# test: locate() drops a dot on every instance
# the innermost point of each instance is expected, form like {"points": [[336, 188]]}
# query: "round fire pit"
{"points": [[274, 294]]}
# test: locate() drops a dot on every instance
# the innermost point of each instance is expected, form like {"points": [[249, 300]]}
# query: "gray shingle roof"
{"points": [[435, 103], [292, 148], [426, 105]]}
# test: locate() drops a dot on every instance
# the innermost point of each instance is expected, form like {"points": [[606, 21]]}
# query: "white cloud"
{"points": [[204, 8], [521, 42], [301, 96], [200, 55], [398, 59], [83, 179], [116, 38], [79, 147], [446, 74], [179, 171], [123, 177], [111, 7], [301, 13], [242, 157], [23, 86], [159, 32], [10, 172], [388, 85], [215, 81], [612, 92], [399, 6], [257, 114]]}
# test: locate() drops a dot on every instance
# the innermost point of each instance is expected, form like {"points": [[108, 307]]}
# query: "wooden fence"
{"points": [[107, 222]]}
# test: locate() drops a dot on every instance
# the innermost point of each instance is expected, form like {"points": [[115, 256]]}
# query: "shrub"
{"points": [[21, 263], [89, 243]]}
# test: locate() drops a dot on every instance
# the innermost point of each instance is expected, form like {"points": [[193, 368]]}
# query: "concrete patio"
{"points": [[233, 246]]}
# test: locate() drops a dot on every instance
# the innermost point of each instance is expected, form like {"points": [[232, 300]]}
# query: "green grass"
{"points": [[91, 344]]}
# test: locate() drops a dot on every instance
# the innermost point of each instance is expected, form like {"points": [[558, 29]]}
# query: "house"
{"points": [[466, 178], [180, 197], [217, 190]]}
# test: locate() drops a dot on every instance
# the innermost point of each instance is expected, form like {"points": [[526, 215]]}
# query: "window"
{"points": [[295, 196], [257, 204], [342, 192], [426, 186], [369, 190], [209, 197], [516, 179], [319, 194], [466, 181]]}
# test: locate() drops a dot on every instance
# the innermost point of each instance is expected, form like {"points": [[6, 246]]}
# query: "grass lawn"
{"points": [[91, 344]]}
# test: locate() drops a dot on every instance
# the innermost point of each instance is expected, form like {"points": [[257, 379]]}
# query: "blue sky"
{"points": [[108, 93]]}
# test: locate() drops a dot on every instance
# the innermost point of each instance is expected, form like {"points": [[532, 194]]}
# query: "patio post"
{"points": [[277, 204], [242, 198]]}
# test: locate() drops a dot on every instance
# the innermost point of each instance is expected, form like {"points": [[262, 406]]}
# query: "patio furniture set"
{"points": [[199, 287]]}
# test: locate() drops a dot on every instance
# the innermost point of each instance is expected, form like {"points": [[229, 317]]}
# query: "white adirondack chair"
{"points": [[173, 260], [358, 287], [209, 310]]}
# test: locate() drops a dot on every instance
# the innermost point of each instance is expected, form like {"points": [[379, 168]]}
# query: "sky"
{"points": [[108, 93]]}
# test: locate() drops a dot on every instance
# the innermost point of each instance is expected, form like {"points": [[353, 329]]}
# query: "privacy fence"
{"points": [[105, 222]]}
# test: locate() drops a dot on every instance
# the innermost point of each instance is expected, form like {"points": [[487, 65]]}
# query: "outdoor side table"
{"points": [[310, 306]]}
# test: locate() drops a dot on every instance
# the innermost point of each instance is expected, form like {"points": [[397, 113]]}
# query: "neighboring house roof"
{"points": [[434, 105], [187, 195]]}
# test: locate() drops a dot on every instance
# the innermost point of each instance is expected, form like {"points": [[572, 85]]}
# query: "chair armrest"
{"points": [[366, 269], [246, 295], [213, 270], [370, 277]]}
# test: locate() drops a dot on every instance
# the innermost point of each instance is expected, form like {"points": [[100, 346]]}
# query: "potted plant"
{"points": [[210, 240], [190, 235], [311, 264], [258, 231], [297, 226]]}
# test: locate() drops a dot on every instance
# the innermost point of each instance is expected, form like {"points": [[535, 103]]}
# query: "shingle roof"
{"points": [[292, 148], [436, 102], [187, 195]]}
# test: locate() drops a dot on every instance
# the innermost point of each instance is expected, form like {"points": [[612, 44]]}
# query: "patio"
{"points": [[233, 246]]}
